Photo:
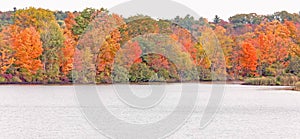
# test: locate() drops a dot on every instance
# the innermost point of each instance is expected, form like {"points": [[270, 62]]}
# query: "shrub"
{"points": [[8, 77], [16, 79], [288, 80], [2, 79], [262, 81], [297, 86], [294, 66], [65, 80], [119, 74], [156, 78], [140, 72], [163, 74], [191, 75], [204, 74]]}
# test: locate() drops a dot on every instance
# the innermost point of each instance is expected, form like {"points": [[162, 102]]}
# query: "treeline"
{"points": [[95, 46]]}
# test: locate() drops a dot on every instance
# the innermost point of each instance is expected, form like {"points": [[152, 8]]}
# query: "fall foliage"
{"points": [[96, 46], [28, 48]]}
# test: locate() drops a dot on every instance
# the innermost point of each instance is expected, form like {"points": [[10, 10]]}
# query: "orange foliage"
{"points": [[6, 54], [28, 48], [184, 37], [68, 53], [69, 21], [108, 51], [249, 58]]}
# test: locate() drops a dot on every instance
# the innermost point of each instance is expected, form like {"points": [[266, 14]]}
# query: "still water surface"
{"points": [[245, 112]]}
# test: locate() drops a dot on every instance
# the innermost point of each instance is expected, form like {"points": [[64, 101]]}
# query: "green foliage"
{"points": [[39, 77], [16, 79], [190, 23], [6, 18], [53, 41], [284, 15], [163, 74], [251, 18], [120, 75], [217, 19], [84, 19], [60, 15], [285, 80], [2, 79], [294, 66], [190, 75], [140, 72]]}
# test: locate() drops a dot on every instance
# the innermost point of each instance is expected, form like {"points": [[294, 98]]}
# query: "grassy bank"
{"points": [[288, 80]]}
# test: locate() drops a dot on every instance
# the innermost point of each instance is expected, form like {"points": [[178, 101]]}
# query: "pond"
{"points": [[244, 112]]}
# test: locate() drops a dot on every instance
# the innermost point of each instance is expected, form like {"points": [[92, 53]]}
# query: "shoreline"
{"points": [[238, 82], [283, 88], [132, 83]]}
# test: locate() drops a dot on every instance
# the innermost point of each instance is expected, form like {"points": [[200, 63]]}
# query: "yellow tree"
{"points": [[295, 35], [214, 53], [36, 18], [227, 45]]}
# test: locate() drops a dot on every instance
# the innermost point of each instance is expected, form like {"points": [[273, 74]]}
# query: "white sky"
{"points": [[204, 8]]}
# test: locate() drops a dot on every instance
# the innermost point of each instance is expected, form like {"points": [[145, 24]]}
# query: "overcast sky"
{"points": [[204, 8]]}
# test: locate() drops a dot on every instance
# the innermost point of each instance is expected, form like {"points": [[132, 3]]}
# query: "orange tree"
{"points": [[28, 49]]}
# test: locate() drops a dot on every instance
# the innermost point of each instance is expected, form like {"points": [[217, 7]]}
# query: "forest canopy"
{"points": [[95, 46]]}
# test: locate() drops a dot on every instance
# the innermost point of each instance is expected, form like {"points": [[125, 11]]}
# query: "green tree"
{"points": [[217, 19], [84, 19], [53, 41], [140, 72]]}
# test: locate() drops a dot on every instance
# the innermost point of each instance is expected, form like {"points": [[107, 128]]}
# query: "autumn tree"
{"points": [[84, 19], [185, 38], [28, 48], [248, 59], [272, 42], [214, 53], [6, 53], [107, 55], [140, 25], [68, 51], [102, 40], [53, 41], [227, 44], [128, 54], [294, 29], [32, 17], [70, 21]]}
